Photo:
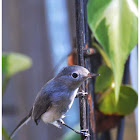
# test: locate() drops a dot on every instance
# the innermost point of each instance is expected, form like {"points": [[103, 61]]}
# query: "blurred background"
{"points": [[45, 31]]}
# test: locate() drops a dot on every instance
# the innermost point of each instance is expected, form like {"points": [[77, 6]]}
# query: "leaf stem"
{"points": [[102, 52]]}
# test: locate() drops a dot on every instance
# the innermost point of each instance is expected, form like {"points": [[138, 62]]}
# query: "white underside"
{"points": [[50, 116], [73, 97]]}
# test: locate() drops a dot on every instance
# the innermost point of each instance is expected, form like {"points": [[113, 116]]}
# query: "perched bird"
{"points": [[56, 97]]}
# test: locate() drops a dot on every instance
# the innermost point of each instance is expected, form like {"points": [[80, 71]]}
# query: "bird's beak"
{"points": [[92, 75]]}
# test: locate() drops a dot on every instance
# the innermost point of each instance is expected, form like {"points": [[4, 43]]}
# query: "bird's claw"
{"points": [[85, 132], [81, 94]]}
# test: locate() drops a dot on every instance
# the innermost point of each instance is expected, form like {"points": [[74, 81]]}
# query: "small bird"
{"points": [[56, 97]]}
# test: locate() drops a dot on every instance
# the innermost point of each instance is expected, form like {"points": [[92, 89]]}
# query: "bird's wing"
{"points": [[41, 105]]}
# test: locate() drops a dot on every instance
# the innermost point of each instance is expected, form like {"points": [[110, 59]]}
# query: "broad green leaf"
{"points": [[114, 23], [104, 80], [126, 104], [14, 62]]}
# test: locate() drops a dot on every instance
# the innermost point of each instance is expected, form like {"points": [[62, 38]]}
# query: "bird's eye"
{"points": [[74, 75]]}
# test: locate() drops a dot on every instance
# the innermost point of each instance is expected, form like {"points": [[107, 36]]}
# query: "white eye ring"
{"points": [[74, 75]]}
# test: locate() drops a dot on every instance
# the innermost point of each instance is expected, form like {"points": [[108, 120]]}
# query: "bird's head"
{"points": [[73, 76]]}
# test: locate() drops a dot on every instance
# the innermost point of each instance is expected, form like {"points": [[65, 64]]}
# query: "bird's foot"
{"points": [[81, 94], [85, 132]]}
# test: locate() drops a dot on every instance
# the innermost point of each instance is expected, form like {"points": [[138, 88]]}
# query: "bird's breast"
{"points": [[59, 108]]}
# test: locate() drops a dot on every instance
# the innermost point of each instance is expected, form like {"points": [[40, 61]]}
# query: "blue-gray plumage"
{"points": [[57, 96]]}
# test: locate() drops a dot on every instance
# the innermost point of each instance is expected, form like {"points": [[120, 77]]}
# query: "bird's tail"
{"points": [[22, 123]]}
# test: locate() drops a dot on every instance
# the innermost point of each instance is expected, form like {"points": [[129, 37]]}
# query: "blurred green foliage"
{"points": [[12, 63]]}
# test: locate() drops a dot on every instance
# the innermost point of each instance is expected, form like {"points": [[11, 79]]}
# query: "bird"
{"points": [[56, 97]]}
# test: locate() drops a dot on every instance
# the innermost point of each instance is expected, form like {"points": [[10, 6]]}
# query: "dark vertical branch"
{"points": [[82, 36], [80, 30], [80, 40], [90, 108], [86, 24]]}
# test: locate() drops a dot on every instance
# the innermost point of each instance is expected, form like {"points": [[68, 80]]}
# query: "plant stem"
{"points": [[102, 52]]}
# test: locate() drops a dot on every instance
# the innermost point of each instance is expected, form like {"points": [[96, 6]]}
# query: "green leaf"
{"points": [[114, 23], [104, 80], [14, 62], [126, 104]]}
